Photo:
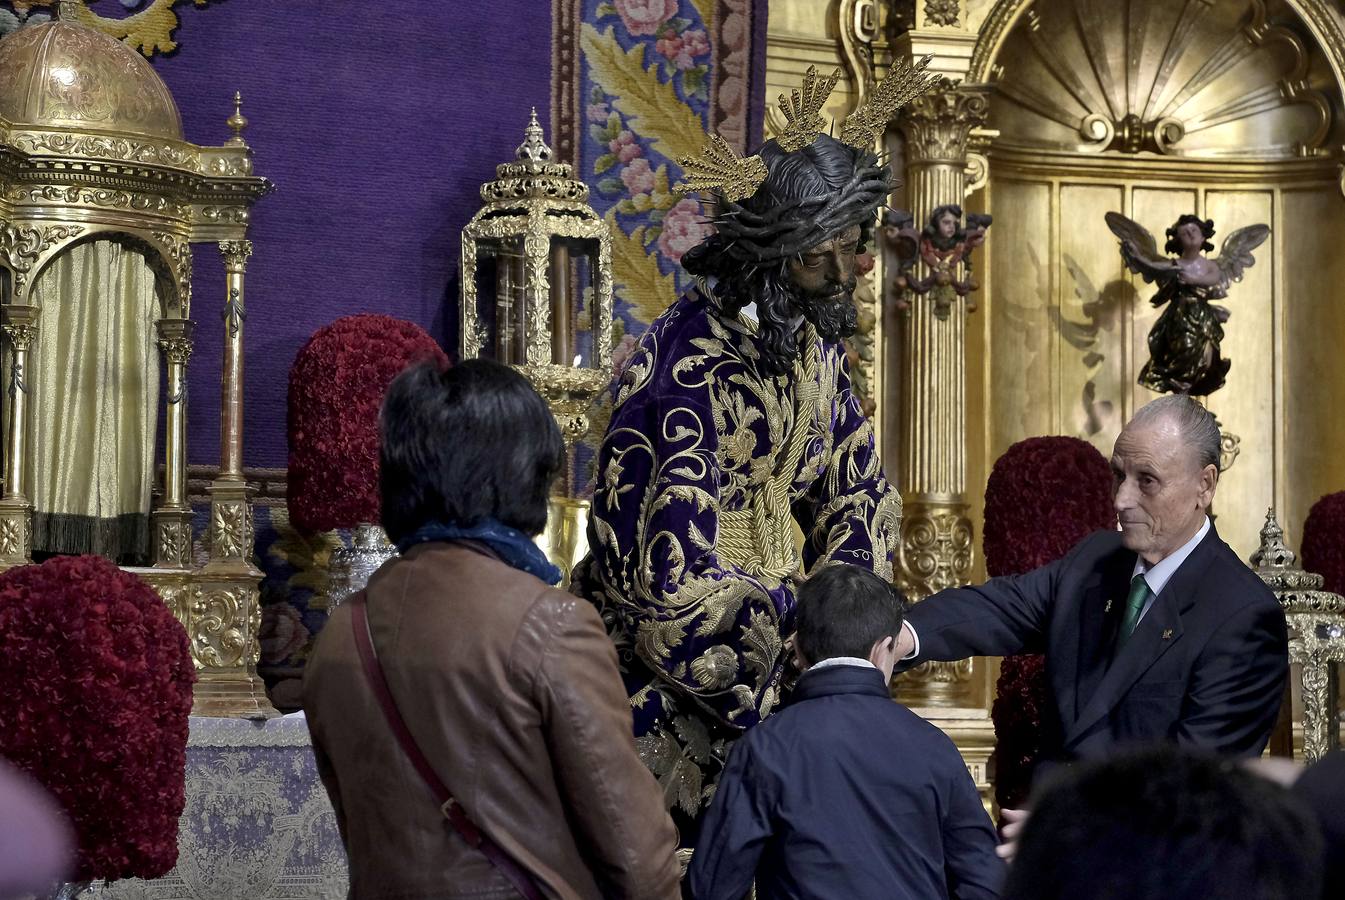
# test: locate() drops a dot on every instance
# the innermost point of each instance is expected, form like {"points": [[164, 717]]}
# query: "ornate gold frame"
{"points": [[60, 186]]}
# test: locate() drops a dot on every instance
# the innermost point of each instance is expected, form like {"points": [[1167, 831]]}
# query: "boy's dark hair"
{"points": [[1166, 824], [461, 444], [843, 611]]}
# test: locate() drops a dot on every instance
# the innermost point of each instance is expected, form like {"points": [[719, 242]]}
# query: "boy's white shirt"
{"points": [[841, 661]]}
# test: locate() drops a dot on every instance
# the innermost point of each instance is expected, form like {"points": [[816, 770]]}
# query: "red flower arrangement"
{"points": [[1324, 541], [336, 388], [1043, 496], [97, 677]]}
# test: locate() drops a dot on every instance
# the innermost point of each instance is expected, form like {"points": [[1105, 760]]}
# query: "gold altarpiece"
{"points": [[1053, 114], [91, 148]]}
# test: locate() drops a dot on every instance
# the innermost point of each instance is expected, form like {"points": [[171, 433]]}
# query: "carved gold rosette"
{"points": [[91, 148], [1316, 621]]}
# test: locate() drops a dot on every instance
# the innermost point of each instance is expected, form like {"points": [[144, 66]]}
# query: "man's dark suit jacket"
{"points": [[845, 794], [1205, 667]]}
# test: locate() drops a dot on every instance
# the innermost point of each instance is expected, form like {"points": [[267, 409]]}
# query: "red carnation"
{"points": [[1324, 541], [98, 685], [1043, 496], [337, 385]]}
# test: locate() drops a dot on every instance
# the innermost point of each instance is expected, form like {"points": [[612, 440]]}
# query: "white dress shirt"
{"points": [[1155, 576], [841, 661], [1158, 575]]}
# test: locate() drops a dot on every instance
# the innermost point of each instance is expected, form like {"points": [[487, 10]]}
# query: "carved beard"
{"points": [[833, 314]]}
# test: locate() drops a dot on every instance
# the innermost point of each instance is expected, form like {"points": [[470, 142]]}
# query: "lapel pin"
{"points": [[1167, 633]]}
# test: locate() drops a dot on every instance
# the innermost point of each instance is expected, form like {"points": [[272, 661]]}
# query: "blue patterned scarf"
{"points": [[512, 546]]}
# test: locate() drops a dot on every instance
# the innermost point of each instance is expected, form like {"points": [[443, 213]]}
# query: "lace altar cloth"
{"points": [[257, 825]]}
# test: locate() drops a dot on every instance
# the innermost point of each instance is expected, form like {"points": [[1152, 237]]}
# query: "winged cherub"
{"points": [[1184, 342]]}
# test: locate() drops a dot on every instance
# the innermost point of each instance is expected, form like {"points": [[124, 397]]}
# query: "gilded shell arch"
{"points": [[1193, 78]]}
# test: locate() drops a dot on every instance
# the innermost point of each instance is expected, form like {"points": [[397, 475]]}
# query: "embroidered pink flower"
{"points": [[598, 113], [624, 147], [645, 16], [638, 177], [683, 228], [670, 45], [696, 43]]}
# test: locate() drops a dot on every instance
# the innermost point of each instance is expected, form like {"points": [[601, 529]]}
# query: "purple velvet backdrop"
{"points": [[377, 123]]}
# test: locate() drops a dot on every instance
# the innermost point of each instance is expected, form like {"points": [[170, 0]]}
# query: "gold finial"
{"points": [[534, 146], [721, 170], [67, 10], [802, 110], [904, 82], [237, 123]]}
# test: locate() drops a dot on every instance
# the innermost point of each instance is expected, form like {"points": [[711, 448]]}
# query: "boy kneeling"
{"points": [[845, 793]]}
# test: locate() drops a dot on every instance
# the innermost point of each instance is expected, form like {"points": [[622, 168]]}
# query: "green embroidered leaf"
{"points": [[650, 104], [611, 185], [636, 274], [603, 163], [603, 10]]}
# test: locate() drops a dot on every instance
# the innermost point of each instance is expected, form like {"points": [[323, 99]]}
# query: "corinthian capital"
{"points": [[235, 254], [937, 124]]}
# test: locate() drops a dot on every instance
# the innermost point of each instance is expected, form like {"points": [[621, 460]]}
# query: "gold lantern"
{"points": [[537, 294]]}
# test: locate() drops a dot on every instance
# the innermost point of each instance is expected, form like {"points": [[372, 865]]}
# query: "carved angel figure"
{"points": [[1184, 353]]}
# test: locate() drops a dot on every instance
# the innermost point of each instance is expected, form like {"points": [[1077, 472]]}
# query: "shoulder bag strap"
{"points": [[364, 642]]}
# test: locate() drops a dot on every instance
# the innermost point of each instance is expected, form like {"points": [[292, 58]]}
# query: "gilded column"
{"points": [[235, 255], [16, 509], [226, 613], [172, 517], [936, 535]]}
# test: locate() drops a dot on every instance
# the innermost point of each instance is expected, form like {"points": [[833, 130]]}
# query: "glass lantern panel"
{"points": [[501, 307], [570, 277]]}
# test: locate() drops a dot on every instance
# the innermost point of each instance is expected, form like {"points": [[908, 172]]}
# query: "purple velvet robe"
{"points": [[706, 466]]}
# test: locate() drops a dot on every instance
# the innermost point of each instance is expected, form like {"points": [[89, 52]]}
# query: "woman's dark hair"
{"points": [[843, 611], [1206, 230], [461, 444]]}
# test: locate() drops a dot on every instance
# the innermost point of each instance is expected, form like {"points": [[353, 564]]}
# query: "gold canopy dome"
{"points": [[62, 74]]}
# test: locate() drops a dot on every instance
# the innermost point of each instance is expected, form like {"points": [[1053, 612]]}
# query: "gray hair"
{"points": [[1196, 424]]}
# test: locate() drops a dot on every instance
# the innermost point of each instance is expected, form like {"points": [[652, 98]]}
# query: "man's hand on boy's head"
{"points": [[906, 645]]}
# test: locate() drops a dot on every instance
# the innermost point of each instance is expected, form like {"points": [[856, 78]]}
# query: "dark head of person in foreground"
{"points": [[508, 687], [1164, 824], [846, 611], [466, 444]]}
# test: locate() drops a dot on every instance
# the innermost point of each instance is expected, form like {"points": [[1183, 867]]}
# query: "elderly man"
{"points": [[1153, 632]]}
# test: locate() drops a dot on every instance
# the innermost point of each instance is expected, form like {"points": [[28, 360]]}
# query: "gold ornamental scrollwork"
{"points": [[23, 245], [219, 627], [102, 198], [935, 550], [160, 152], [180, 260]]}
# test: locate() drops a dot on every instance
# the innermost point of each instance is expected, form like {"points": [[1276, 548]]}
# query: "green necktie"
{"points": [[1139, 594]]}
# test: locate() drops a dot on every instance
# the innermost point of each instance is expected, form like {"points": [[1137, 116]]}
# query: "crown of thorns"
{"points": [[721, 171]]}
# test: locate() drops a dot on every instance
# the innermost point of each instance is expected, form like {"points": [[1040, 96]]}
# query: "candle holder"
{"points": [[537, 282], [537, 294]]}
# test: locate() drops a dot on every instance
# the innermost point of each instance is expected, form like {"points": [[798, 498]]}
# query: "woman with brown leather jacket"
{"points": [[468, 718]]}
